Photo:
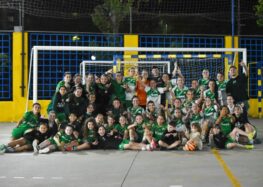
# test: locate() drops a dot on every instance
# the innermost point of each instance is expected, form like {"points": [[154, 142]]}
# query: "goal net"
{"points": [[100, 67], [190, 60]]}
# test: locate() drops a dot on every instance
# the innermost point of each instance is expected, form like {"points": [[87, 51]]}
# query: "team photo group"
{"points": [[141, 111]]}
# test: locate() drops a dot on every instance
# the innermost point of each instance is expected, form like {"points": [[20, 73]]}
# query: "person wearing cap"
{"points": [[237, 85]]}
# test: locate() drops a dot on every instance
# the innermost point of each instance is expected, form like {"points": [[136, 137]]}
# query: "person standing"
{"points": [[237, 85]]}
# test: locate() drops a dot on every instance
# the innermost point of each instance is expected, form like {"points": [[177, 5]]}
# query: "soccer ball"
{"points": [[93, 57]]}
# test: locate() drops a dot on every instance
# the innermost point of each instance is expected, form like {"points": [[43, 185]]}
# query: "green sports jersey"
{"points": [[226, 125], [196, 118], [180, 93], [91, 136], [119, 90], [30, 119], [62, 137], [158, 131], [179, 122], [120, 129], [187, 104], [109, 128], [209, 94], [131, 82], [154, 95], [203, 82], [134, 111], [140, 128], [210, 112], [63, 83], [221, 85]]}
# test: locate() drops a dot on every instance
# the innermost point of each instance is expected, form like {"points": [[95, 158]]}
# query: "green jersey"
{"points": [[221, 85], [109, 128], [120, 129], [203, 82], [209, 94], [30, 120], [134, 111], [180, 92], [131, 82], [226, 125], [140, 128], [62, 137], [196, 118], [63, 83], [179, 122], [119, 90], [154, 95], [91, 136], [158, 131], [210, 112]]}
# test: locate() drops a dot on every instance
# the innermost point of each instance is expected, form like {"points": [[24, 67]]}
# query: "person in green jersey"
{"points": [[89, 86], [130, 85], [109, 126], [157, 131], [121, 129], [179, 91], [67, 82], [116, 109], [188, 102], [195, 87], [193, 116], [210, 114], [225, 122], [221, 84], [58, 104], [137, 129], [59, 141], [28, 122], [99, 119], [151, 112], [153, 93], [203, 82], [118, 88], [134, 110], [212, 91]]}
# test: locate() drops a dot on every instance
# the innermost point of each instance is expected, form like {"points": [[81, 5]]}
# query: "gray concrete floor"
{"points": [[101, 168]]}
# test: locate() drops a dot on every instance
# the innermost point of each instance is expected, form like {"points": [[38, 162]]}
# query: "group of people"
{"points": [[139, 112]]}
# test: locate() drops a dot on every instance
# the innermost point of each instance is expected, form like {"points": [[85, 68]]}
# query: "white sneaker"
{"points": [[44, 151]]}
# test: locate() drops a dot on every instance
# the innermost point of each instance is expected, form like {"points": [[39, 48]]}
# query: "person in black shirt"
{"points": [[237, 85]]}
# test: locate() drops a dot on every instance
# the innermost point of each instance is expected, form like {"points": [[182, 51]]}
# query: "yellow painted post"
{"points": [[130, 40], [228, 44]]}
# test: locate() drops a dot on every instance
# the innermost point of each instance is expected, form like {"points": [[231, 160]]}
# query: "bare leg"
{"points": [[23, 148], [126, 134], [20, 142], [44, 144], [174, 145], [132, 134], [163, 144], [83, 146], [134, 146]]}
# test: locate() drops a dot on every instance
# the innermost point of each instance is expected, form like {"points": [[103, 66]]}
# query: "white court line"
{"points": [[18, 177], [38, 177], [57, 178], [176, 186], [3, 177]]}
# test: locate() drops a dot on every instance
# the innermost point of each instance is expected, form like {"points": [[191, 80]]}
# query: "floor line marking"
{"points": [[57, 178], [18, 177], [230, 175], [37, 177]]}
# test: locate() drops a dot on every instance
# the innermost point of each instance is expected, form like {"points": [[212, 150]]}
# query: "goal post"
{"points": [[141, 51]]}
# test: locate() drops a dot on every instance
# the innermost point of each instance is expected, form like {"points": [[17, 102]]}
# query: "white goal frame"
{"points": [[36, 49]]}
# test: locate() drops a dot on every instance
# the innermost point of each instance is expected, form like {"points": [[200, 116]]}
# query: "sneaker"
{"points": [[2, 147], [149, 147], [44, 151], [249, 146], [35, 147], [153, 144], [10, 150]]}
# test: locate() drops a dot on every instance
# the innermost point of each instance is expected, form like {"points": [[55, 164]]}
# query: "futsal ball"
{"points": [[190, 146], [93, 57], [75, 38]]}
